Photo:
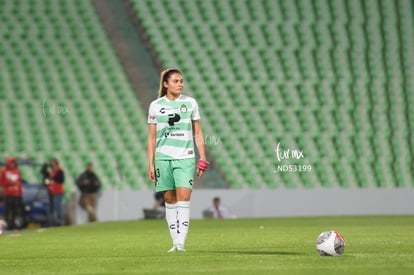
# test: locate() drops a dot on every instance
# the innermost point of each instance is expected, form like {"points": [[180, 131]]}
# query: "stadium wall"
{"points": [[128, 205]]}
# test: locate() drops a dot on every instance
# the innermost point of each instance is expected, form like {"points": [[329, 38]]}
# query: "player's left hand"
{"points": [[200, 173], [202, 166]]}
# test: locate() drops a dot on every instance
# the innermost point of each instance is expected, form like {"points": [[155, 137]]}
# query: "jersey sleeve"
{"points": [[196, 113], [152, 118]]}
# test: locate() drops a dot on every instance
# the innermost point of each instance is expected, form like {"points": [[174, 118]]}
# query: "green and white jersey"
{"points": [[174, 127]]}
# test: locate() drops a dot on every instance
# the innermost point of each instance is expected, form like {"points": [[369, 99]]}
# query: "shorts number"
{"points": [[157, 173]]}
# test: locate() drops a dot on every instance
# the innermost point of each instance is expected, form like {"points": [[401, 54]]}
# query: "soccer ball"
{"points": [[330, 243]]}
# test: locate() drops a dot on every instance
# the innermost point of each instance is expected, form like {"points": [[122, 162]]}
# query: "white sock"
{"points": [[171, 217], [183, 215]]}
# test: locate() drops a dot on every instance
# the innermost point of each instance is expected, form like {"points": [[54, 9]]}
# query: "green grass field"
{"points": [[374, 245]]}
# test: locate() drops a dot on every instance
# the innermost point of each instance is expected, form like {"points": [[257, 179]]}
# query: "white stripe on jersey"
{"points": [[172, 152]]}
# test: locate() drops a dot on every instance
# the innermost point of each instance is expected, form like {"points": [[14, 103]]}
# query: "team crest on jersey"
{"points": [[183, 108]]}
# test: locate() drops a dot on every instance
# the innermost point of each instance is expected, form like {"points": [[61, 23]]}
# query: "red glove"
{"points": [[202, 164]]}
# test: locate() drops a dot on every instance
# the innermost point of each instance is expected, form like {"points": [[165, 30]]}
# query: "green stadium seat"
{"points": [[61, 68]]}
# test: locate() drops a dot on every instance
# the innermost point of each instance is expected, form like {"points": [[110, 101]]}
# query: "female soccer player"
{"points": [[174, 121]]}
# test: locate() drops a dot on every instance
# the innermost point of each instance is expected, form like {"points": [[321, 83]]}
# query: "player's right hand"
{"points": [[151, 174]]}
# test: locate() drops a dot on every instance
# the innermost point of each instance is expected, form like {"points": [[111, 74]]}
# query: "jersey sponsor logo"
{"points": [[173, 135], [164, 109], [190, 152], [173, 118]]}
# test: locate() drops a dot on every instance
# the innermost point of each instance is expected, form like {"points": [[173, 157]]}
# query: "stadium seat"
{"points": [[73, 70]]}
